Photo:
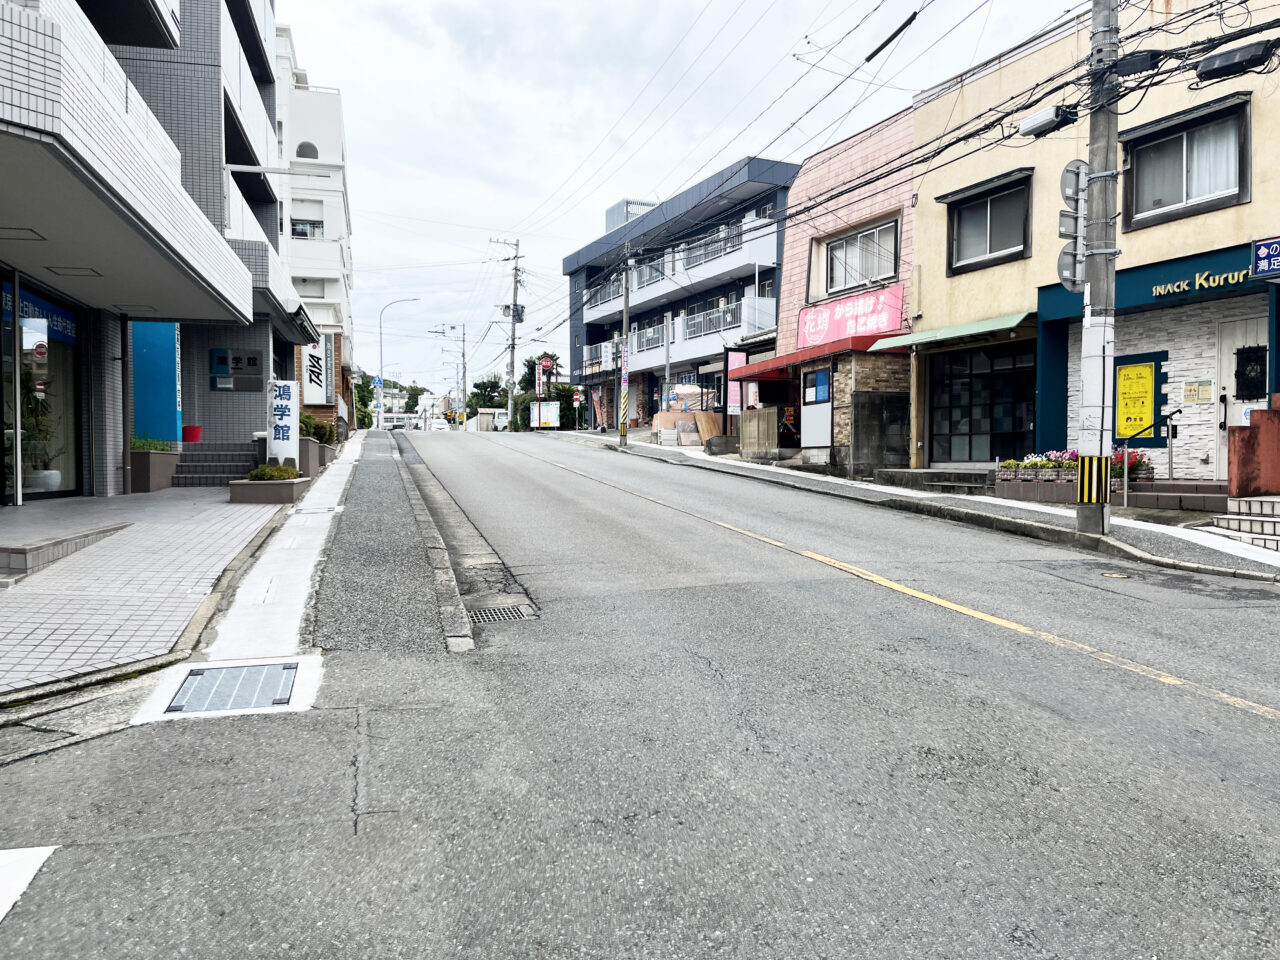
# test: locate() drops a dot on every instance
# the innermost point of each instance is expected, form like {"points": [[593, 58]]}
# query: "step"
{"points": [[206, 479], [1255, 506], [1210, 487], [216, 456], [203, 469], [1243, 523], [920, 479], [966, 489], [1253, 539], [1202, 502], [20, 559], [221, 446]]}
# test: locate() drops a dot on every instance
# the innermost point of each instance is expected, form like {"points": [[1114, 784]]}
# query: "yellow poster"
{"points": [[1135, 400]]}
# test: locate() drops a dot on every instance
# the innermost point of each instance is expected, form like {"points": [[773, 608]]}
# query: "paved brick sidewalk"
{"points": [[126, 598]]}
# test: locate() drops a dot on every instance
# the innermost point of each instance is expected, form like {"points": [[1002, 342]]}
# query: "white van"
{"points": [[501, 421]]}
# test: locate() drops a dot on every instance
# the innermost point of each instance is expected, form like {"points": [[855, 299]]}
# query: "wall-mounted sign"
{"points": [[1196, 392], [864, 314], [1135, 400], [282, 420], [235, 369], [1204, 280], [317, 372], [1266, 258]]}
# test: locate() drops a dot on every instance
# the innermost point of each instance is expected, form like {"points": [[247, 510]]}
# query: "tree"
{"points": [[486, 392], [364, 390], [529, 377], [411, 402]]}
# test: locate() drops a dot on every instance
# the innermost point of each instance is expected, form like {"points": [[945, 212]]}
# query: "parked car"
{"points": [[501, 421], [439, 423]]}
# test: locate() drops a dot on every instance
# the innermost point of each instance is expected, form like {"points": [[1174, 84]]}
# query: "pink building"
{"points": [[844, 284]]}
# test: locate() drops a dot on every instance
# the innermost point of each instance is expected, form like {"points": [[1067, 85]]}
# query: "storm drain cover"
{"points": [[235, 688], [497, 614], [317, 509]]}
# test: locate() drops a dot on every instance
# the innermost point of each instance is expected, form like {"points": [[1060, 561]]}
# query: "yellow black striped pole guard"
{"points": [[1093, 480]]}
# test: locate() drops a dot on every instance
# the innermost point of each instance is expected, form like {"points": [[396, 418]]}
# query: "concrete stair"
{"points": [[1206, 496], [1252, 520], [214, 464]]}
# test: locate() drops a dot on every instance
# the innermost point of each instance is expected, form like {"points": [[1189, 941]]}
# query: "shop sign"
{"points": [[733, 399], [1205, 280], [1266, 258], [282, 410], [865, 314], [1135, 400], [40, 319], [1196, 392], [240, 370], [317, 372]]}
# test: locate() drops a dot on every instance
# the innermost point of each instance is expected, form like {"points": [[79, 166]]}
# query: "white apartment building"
{"points": [[315, 228]]}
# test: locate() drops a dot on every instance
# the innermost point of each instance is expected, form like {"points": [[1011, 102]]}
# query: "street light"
{"points": [[380, 313]]}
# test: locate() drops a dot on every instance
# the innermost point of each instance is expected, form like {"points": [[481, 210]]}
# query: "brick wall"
{"points": [[829, 170], [328, 413], [882, 372], [1190, 335]]}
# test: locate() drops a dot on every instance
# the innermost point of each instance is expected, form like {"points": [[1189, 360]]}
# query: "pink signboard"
{"points": [[736, 358], [865, 314]]}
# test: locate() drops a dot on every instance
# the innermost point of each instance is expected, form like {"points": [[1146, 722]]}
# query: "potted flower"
{"points": [[1140, 466], [1008, 470]]}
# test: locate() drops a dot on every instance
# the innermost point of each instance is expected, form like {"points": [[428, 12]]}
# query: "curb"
{"points": [[216, 601], [458, 636], [1012, 525]]}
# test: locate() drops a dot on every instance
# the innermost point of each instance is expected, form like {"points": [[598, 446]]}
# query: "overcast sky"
{"points": [[471, 120]]}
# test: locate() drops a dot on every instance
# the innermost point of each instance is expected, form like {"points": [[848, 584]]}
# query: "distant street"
{"points": [[746, 721]]}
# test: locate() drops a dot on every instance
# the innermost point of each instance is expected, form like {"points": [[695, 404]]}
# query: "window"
{"points": [[765, 211], [817, 386], [766, 288], [308, 229], [1187, 172], [990, 229], [308, 151], [862, 258]]}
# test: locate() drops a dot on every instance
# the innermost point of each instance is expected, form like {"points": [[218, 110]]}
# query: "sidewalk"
{"points": [[126, 598], [1174, 547]]}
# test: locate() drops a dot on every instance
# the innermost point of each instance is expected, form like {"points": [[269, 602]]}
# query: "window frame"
{"points": [[295, 222], [1008, 255], [1179, 126], [829, 244]]}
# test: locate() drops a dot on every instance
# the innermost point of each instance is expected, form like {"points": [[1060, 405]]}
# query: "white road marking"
{"points": [[17, 869]]}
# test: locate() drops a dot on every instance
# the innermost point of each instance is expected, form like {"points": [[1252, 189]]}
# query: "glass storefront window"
{"points": [[42, 350], [983, 403]]}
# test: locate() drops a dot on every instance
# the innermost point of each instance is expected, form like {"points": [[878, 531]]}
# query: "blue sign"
{"points": [[377, 381], [673, 396], [1266, 258]]}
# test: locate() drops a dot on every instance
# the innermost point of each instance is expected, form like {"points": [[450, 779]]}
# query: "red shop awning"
{"points": [[778, 367]]}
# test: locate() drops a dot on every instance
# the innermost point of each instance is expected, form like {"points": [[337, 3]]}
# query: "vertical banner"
{"points": [[282, 435], [537, 372], [595, 402], [733, 392], [624, 401], [317, 373]]}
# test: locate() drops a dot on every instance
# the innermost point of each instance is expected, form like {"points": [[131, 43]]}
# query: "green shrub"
{"points": [[270, 472], [1010, 464], [145, 443]]}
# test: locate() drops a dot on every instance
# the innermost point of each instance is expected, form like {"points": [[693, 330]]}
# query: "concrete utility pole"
{"points": [[465, 389], [623, 400], [515, 318], [1097, 343], [668, 330]]}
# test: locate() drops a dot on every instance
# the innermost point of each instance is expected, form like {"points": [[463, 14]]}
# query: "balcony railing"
{"points": [[647, 338], [605, 292], [725, 240], [713, 321], [651, 272]]}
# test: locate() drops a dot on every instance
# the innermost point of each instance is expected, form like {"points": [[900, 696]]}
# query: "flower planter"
{"points": [[1007, 473], [269, 491]]}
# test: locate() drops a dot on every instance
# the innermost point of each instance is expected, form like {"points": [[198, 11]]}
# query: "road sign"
{"points": [[1073, 187], [577, 397], [377, 381], [41, 349], [546, 363], [39, 389], [1071, 225]]}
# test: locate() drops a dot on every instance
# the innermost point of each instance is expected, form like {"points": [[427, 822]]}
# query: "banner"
{"points": [[733, 400], [282, 435], [865, 314], [317, 372]]}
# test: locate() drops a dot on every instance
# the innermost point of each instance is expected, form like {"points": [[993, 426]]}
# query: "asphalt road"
{"points": [[747, 722]]}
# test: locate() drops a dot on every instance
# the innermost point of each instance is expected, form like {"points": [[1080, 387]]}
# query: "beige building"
{"points": [[995, 337]]}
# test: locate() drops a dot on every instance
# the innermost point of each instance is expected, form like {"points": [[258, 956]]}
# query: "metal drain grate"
{"points": [[497, 614], [305, 510], [235, 688]]}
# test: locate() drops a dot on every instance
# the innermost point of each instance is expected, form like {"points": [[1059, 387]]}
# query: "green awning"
{"points": [[979, 328]]}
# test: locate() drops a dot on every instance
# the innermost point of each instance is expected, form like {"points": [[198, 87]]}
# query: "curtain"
{"points": [[971, 231], [1158, 170], [1213, 162]]}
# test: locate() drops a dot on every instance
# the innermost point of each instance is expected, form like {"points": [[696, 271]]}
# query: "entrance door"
{"points": [[1242, 349]]}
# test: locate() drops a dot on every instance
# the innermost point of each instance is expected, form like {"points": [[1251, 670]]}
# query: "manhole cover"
{"points": [[235, 688], [497, 614]]}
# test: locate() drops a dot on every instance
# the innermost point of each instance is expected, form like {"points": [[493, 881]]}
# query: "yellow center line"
{"points": [[1101, 656]]}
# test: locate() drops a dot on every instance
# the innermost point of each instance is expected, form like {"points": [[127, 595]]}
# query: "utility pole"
{"points": [[515, 318], [1097, 345], [623, 400], [668, 330]]}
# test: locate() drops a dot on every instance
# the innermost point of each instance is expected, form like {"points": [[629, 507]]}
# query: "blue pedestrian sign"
{"points": [[377, 381], [1266, 258]]}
